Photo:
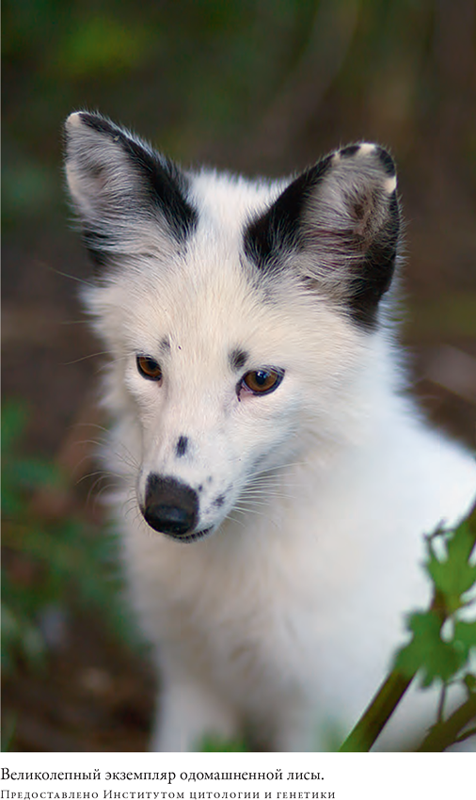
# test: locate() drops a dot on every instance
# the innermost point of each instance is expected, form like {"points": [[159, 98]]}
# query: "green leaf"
{"points": [[465, 635], [470, 681], [427, 652], [453, 575]]}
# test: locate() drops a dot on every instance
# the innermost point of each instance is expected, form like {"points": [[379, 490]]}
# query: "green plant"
{"points": [[215, 744], [443, 641], [50, 562]]}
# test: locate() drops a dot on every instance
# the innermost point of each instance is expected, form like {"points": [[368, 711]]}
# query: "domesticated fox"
{"points": [[274, 481]]}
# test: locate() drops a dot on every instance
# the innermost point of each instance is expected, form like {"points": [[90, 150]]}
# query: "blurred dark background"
{"points": [[260, 86]]}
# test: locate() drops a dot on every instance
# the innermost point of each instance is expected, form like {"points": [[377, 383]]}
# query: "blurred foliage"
{"points": [[444, 636], [213, 744], [441, 650], [49, 566], [265, 76], [453, 313], [176, 67]]}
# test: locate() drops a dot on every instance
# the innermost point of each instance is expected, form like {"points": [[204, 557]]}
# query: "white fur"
{"points": [[286, 616]]}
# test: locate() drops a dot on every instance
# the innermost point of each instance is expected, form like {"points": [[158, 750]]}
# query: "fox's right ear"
{"points": [[338, 225], [129, 198]]}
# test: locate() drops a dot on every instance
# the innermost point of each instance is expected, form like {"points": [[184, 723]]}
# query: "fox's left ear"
{"points": [[338, 224]]}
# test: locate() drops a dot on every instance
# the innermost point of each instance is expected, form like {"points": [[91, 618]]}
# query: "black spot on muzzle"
{"points": [[170, 507]]}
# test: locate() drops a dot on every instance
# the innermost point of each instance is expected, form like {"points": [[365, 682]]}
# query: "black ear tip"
{"points": [[387, 161], [98, 123], [366, 149], [349, 151]]}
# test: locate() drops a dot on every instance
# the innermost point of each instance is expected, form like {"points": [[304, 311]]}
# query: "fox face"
{"points": [[238, 315]]}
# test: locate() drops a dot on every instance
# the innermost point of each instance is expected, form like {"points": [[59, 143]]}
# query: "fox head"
{"points": [[240, 316]]}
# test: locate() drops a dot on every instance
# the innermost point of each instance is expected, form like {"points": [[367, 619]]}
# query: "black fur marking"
{"points": [[279, 228], [387, 161], [218, 501], [181, 446], [165, 184], [376, 271], [100, 124], [368, 255], [238, 359], [165, 344], [349, 151]]}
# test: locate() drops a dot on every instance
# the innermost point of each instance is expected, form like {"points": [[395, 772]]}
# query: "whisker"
{"points": [[265, 491], [250, 511], [91, 425], [253, 502], [133, 507], [237, 521], [99, 472], [279, 467], [73, 278], [105, 488], [93, 497], [84, 358]]}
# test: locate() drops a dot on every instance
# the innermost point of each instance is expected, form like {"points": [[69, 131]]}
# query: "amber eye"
{"points": [[262, 381], [149, 368]]}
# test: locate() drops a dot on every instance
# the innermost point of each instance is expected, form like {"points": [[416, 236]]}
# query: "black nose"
{"points": [[170, 506]]}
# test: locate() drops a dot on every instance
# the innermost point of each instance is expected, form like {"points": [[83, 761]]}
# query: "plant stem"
{"points": [[441, 704], [443, 734], [377, 714], [466, 735]]}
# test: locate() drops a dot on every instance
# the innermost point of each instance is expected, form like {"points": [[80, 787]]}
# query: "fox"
{"points": [[274, 480]]}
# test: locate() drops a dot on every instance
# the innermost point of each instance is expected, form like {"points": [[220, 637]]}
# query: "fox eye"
{"points": [[149, 368], [262, 381]]}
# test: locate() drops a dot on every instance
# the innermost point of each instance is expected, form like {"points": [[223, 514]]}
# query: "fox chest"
{"points": [[241, 620]]}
